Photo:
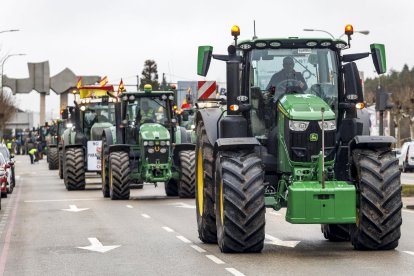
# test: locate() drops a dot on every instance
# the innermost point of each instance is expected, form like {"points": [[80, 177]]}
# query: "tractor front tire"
{"points": [[379, 200], [74, 175], [119, 175], [204, 188], [240, 204], [53, 157], [336, 232], [187, 182]]}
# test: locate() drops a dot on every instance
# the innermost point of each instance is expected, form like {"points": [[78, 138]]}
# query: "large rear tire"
{"points": [[379, 200], [74, 174], [204, 188], [187, 182], [336, 232], [60, 164], [171, 187], [240, 204], [119, 175], [104, 167], [53, 157]]}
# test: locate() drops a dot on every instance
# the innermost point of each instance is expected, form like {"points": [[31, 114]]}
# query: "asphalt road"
{"points": [[155, 235]]}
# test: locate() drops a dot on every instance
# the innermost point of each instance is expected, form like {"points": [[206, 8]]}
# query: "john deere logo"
{"points": [[313, 137]]}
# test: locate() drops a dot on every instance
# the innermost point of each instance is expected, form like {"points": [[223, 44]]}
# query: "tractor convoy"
{"points": [[286, 136]]}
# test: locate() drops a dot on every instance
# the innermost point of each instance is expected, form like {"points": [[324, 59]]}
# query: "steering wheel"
{"points": [[290, 85]]}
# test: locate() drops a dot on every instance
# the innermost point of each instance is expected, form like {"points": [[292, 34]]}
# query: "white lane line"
{"points": [[145, 216], [215, 259], [234, 271], [198, 248], [183, 239], [168, 229], [60, 200], [129, 206], [409, 252]]}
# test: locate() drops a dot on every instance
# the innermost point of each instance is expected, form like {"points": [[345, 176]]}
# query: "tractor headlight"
{"points": [[328, 125], [298, 125], [145, 143], [163, 150], [150, 150], [151, 143], [163, 143]]}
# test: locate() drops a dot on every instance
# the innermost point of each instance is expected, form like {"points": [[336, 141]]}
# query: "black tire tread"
{"points": [[379, 217], [186, 187], [206, 224], [119, 165], [53, 157], [74, 176], [242, 176], [336, 232]]}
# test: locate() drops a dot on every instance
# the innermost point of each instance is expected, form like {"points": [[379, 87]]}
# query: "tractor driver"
{"points": [[146, 114], [287, 77]]}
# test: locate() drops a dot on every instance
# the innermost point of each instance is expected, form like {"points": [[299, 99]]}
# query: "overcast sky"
{"points": [[114, 38]]}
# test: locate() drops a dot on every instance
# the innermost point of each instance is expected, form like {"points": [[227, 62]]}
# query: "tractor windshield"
{"points": [[98, 113], [275, 72], [147, 110]]}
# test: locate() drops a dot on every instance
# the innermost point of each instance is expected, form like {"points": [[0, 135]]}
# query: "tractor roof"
{"points": [[291, 42]]}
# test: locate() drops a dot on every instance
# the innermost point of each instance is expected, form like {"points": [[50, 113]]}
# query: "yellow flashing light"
{"points": [[148, 88], [235, 30], [360, 105], [349, 29], [234, 107]]}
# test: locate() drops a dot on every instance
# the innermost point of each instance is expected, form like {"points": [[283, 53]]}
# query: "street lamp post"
{"points": [[2, 66], [364, 32], [9, 31]]}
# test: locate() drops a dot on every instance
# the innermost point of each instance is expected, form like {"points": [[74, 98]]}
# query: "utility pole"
{"points": [[137, 82]]}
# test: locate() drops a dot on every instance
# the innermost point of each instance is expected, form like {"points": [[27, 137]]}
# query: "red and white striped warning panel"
{"points": [[206, 90]]}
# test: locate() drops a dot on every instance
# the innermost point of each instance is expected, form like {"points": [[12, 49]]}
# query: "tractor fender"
{"points": [[107, 133], [119, 147], [237, 143], [370, 142], [210, 117]]}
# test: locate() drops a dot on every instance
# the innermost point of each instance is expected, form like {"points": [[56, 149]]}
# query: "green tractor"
{"points": [[81, 145], [147, 146], [289, 136], [56, 132]]}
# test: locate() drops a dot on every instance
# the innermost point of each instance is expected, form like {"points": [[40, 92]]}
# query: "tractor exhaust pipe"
{"points": [[323, 149]]}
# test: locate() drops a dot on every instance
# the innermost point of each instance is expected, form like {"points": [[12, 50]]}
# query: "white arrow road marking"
{"points": [[276, 241], [97, 246], [409, 252], [184, 205], [73, 208]]}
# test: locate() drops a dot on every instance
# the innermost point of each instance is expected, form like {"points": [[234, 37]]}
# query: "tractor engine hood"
{"points": [[305, 107], [154, 132]]}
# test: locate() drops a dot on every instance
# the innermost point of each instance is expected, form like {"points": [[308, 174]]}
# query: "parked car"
{"points": [[10, 159], [406, 160], [6, 166]]}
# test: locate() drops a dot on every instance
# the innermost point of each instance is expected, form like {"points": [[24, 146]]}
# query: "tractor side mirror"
{"points": [[204, 58], [378, 58], [353, 85]]}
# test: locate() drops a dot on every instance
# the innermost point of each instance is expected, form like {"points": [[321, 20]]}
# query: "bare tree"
{"points": [[7, 108]]}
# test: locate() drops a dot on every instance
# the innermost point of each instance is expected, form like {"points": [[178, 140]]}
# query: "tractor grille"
{"points": [[301, 149], [157, 157]]}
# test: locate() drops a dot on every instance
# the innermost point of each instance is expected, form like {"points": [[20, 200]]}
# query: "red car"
{"points": [[6, 187]]}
